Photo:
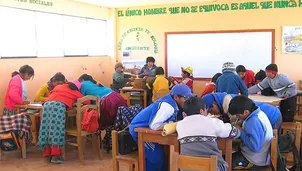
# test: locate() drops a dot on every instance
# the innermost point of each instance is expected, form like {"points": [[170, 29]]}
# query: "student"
{"points": [[16, 90], [155, 117], [258, 78], [197, 140], [120, 78], [45, 89], [283, 87], [187, 77], [218, 104], [246, 75], [148, 69], [211, 87], [256, 135], [229, 82], [110, 100], [52, 128], [159, 83]]}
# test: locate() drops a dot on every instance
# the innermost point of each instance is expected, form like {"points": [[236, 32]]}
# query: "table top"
{"points": [[30, 106], [150, 131], [299, 92], [266, 99], [131, 89]]}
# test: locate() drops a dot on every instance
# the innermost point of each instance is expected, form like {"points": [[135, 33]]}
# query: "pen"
{"points": [[236, 122]]}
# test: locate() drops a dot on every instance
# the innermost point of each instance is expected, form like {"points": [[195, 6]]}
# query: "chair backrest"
{"points": [[287, 126], [81, 106], [126, 97], [161, 93], [300, 85], [274, 152], [197, 163]]}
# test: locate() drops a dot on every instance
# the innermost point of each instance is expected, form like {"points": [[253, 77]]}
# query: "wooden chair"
{"points": [[288, 126], [126, 97], [161, 93], [298, 116], [131, 159], [79, 133], [22, 148], [197, 163]]}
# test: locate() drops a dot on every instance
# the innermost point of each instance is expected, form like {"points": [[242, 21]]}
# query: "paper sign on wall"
{"points": [[292, 39]]}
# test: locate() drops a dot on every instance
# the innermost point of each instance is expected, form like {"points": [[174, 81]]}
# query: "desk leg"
{"points": [[145, 98], [34, 128], [141, 152], [228, 153], [173, 159], [23, 148]]}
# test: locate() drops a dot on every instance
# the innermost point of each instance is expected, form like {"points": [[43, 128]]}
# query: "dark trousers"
{"points": [[239, 162], [288, 109]]}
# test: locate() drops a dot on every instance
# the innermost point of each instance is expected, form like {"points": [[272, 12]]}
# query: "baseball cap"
{"points": [[182, 90]]}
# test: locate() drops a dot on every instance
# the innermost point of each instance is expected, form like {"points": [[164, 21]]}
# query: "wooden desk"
{"points": [[143, 92], [148, 135], [273, 100], [33, 118]]}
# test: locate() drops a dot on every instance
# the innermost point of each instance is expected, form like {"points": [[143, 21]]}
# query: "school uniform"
{"points": [[256, 140], [283, 87], [197, 135], [155, 116], [159, 83], [273, 114]]}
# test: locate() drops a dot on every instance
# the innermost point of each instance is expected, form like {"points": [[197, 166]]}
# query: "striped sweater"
{"points": [[281, 85]]}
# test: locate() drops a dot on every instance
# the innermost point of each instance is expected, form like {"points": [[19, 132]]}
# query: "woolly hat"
{"points": [[273, 68], [77, 83], [228, 66]]}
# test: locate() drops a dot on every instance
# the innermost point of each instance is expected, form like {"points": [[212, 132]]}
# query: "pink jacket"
{"points": [[13, 95]]}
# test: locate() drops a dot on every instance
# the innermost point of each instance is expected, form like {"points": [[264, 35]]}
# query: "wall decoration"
{"points": [[292, 39], [137, 39], [236, 6]]}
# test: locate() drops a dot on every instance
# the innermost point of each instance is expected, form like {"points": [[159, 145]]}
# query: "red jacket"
{"points": [[13, 95], [249, 78], [209, 88], [188, 81], [64, 94]]}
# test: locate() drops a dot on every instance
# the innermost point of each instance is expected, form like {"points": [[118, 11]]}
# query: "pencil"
{"points": [[236, 122]]}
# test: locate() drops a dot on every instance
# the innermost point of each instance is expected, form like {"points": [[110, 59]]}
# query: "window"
{"points": [[18, 33], [97, 44], [26, 33], [49, 35]]}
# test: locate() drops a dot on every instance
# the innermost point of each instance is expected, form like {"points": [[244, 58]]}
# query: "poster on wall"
{"points": [[292, 40], [133, 66]]}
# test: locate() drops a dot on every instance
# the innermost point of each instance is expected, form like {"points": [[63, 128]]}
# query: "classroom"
{"points": [[106, 46]]}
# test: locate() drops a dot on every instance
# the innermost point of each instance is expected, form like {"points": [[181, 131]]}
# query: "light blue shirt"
{"points": [[89, 88], [24, 95]]}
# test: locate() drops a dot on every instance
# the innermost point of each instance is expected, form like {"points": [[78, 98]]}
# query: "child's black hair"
{"points": [[72, 86], [159, 71], [185, 72], [272, 67], [58, 77], [215, 77], [260, 75], [240, 68], [86, 77], [193, 105], [150, 59], [241, 103], [23, 70]]}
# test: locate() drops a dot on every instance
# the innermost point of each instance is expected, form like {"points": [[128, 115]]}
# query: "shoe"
{"points": [[57, 160]]}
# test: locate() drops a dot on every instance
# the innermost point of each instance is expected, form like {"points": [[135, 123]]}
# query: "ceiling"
{"points": [[134, 3]]}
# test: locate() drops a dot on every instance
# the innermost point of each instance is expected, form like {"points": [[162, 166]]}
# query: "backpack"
{"points": [[90, 121], [287, 144], [10, 141], [126, 144]]}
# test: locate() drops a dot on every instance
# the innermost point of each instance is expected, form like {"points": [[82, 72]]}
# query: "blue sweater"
{"points": [[155, 116], [89, 88], [256, 137], [231, 83], [272, 112]]}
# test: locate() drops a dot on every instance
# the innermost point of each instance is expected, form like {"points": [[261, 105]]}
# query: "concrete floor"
{"points": [[35, 161]]}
